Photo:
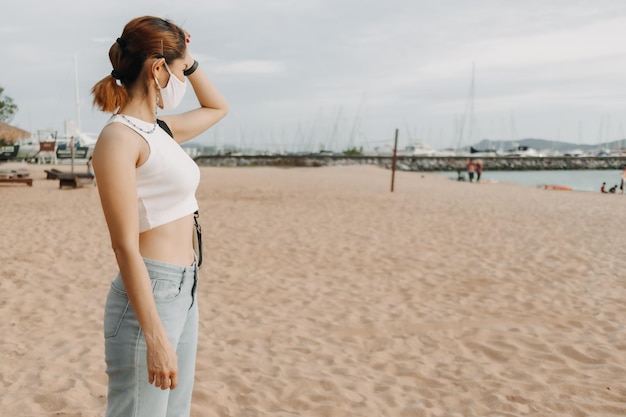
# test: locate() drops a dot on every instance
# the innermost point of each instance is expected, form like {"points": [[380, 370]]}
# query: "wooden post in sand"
{"points": [[72, 149], [393, 161]]}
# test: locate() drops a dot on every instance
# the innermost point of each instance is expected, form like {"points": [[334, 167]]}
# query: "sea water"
{"points": [[578, 180]]}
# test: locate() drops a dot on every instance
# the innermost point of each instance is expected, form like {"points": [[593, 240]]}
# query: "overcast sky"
{"points": [[335, 73]]}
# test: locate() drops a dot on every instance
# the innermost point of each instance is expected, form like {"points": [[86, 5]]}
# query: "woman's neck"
{"points": [[143, 108]]}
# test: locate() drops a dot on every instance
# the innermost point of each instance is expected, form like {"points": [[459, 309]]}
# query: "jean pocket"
{"points": [[165, 290], [115, 309]]}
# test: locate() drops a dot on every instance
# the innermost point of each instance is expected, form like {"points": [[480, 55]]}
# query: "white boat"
{"points": [[523, 151], [417, 149], [385, 150], [47, 145], [575, 152]]}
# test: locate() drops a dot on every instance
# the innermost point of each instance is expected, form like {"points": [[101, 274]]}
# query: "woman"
{"points": [[479, 169], [147, 187], [471, 168]]}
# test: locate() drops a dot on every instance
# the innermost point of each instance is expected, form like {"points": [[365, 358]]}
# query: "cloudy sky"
{"points": [[307, 74]]}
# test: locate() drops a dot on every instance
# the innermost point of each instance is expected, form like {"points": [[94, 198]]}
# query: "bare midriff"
{"points": [[171, 243]]}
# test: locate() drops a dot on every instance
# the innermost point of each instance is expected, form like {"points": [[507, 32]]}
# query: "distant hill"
{"points": [[546, 145]]}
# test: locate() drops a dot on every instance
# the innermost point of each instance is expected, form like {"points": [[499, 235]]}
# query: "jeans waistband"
{"points": [[170, 269]]}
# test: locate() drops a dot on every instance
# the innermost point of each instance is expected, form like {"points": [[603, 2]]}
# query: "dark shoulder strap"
{"points": [[165, 127]]}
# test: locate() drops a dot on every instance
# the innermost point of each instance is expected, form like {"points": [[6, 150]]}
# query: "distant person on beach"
{"points": [[471, 168], [622, 184], [90, 167], [479, 169], [603, 188], [147, 185]]}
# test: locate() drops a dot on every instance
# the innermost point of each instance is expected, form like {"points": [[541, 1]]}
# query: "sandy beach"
{"points": [[323, 294]]}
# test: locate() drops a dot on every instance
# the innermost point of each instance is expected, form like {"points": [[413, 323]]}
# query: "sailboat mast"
{"points": [[77, 95], [470, 130], [468, 114]]}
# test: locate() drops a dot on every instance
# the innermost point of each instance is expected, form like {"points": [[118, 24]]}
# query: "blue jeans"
{"points": [[130, 394]]}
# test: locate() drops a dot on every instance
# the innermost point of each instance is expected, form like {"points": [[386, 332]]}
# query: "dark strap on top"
{"points": [[165, 127]]}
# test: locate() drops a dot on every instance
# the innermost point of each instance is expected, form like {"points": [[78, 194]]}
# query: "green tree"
{"points": [[7, 107], [354, 151]]}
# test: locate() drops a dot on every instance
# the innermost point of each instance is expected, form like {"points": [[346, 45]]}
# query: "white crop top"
{"points": [[166, 181]]}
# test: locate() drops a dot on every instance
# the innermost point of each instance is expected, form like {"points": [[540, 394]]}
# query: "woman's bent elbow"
{"points": [[222, 111]]}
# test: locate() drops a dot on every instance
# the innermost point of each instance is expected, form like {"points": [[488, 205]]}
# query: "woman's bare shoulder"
{"points": [[116, 132], [118, 142], [117, 136]]}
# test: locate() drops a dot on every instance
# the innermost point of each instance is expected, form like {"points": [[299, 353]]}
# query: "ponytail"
{"points": [[108, 95]]}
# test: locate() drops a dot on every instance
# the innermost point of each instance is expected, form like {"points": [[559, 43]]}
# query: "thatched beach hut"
{"points": [[11, 134]]}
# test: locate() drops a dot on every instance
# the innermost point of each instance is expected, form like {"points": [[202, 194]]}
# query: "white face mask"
{"points": [[172, 94]]}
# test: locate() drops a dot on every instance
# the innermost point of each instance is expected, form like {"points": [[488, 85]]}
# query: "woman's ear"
{"points": [[156, 66]]}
